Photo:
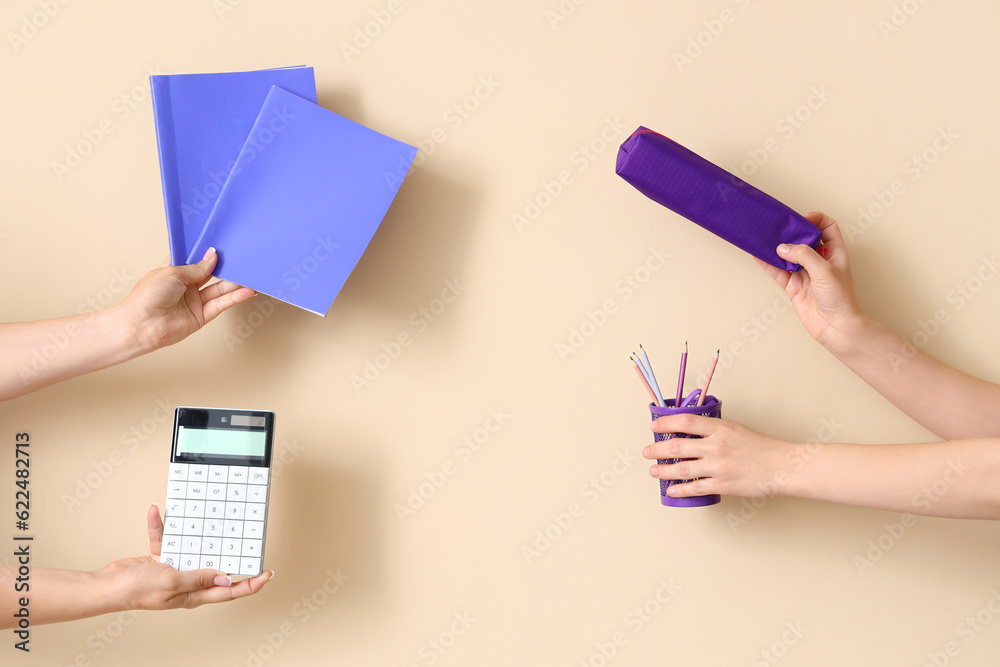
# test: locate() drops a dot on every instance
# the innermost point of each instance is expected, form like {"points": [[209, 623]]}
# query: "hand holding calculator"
{"points": [[217, 490]]}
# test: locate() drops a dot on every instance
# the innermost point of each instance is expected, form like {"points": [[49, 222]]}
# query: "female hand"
{"points": [[145, 583], [732, 459], [168, 304], [822, 292]]}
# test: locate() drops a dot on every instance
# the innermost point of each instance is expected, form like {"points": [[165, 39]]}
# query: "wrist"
{"points": [[110, 591], [128, 332], [843, 337]]}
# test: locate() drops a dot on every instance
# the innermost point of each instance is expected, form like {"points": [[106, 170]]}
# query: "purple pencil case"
{"points": [[711, 197]]}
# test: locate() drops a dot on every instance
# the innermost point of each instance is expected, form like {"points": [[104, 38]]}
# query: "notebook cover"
{"points": [[202, 121], [710, 196], [307, 193]]}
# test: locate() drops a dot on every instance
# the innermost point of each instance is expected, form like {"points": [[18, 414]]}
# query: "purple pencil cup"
{"points": [[711, 408]]}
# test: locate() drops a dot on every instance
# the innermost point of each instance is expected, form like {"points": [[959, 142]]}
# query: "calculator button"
{"points": [[218, 474], [251, 548], [213, 528], [237, 492], [194, 508], [196, 490], [188, 563], [250, 566], [238, 474], [258, 475], [235, 510], [173, 526], [175, 507], [255, 511], [170, 559], [176, 489], [171, 544], [216, 491], [211, 545], [190, 544], [230, 564], [178, 471], [256, 493], [198, 472], [254, 529], [210, 561], [194, 527], [233, 528], [215, 509], [231, 547]]}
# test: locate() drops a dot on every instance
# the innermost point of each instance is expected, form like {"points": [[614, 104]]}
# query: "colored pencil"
{"points": [[680, 376], [711, 372], [644, 382], [652, 377]]}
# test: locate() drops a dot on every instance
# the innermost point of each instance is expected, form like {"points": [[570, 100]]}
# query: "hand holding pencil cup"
{"points": [[698, 402]]}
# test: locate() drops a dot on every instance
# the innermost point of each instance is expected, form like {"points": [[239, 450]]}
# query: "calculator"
{"points": [[217, 490]]}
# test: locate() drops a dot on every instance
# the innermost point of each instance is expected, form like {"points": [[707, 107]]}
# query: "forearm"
{"points": [[56, 596], [946, 401], [955, 479], [36, 354]]}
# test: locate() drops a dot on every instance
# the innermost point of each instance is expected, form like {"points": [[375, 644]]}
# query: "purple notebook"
{"points": [[710, 196], [202, 121], [303, 200]]}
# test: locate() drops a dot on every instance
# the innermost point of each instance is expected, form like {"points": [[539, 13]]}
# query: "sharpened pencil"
{"points": [[652, 377], [711, 372], [680, 375], [644, 382]]}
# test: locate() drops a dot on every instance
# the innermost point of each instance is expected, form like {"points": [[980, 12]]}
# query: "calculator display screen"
{"points": [[223, 437], [225, 442]]}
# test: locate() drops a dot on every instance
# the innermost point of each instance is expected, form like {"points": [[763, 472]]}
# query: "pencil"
{"points": [[644, 383], [711, 371], [680, 376], [652, 377]]}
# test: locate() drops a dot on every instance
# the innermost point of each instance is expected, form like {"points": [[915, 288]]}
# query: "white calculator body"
{"points": [[217, 490]]}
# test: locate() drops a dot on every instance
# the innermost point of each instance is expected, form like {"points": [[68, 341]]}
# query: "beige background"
{"points": [[352, 456]]}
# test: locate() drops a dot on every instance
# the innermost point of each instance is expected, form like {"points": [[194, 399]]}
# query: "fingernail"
{"points": [[783, 248], [208, 253], [272, 576], [652, 471], [645, 452], [222, 580]]}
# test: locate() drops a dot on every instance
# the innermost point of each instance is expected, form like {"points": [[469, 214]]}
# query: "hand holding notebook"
{"points": [[288, 193]]}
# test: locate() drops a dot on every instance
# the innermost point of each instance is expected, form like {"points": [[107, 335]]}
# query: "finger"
{"points": [[678, 470], [154, 525], [804, 255], [779, 276], [166, 263], [696, 487], [228, 593], [689, 424], [199, 274], [211, 309], [215, 290], [674, 448], [190, 582], [833, 237]]}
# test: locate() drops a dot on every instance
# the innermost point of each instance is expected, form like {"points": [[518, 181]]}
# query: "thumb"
{"points": [[195, 274], [804, 255]]}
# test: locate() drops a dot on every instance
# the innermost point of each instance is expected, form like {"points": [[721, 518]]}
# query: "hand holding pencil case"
{"points": [[711, 197]]}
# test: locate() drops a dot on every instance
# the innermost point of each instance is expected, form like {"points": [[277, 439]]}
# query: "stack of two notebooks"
{"points": [[288, 193]]}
